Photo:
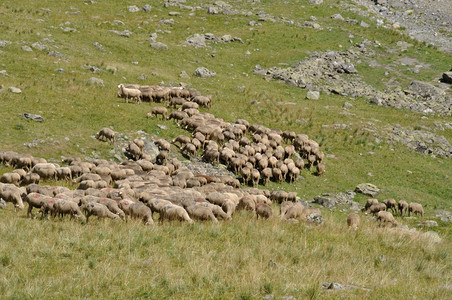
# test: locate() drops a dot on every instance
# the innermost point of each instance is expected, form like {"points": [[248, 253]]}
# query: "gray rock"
{"points": [[212, 10], [96, 81], [124, 33], [432, 236], [133, 8], [196, 40], [424, 90], [367, 189], [159, 46], [447, 77], [337, 17], [39, 46], [348, 105], [33, 117], [3, 73], [184, 75], [428, 223], [142, 76], [55, 54], [27, 48], [99, 46], [313, 95], [316, 2], [174, 13], [2, 203], [204, 72], [364, 24], [14, 90], [68, 29], [4, 43], [111, 69], [334, 286], [60, 70], [147, 8], [349, 69], [330, 200], [315, 218], [161, 126]]}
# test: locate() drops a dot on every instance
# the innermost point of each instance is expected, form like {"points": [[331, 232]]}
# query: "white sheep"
{"points": [[129, 93]]}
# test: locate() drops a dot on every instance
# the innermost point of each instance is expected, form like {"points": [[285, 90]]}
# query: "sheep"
{"points": [[228, 207], [36, 200], [294, 173], [12, 178], [162, 157], [246, 203], [205, 101], [415, 208], [217, 211], [320, 169], [141, 211], [375, 208], [99, 210], [189, 105], [212, 156], [369, 203], [13, 194], [293, 212], [390, 204], [266, 175], [189, 149], [176, 101], [30, 178], [107, 134], [353, 221], [63, 173], [65, 206], [403, 207], [181, 139], [163, 144], [158, 110], [277, 174], [87, 176], [177, 115], [384, 217], [175, 212], [131, 93], [284, 207], [44, 170], [133, 151], [264, 211], [255, 177], [112, 205], [200, 212]]}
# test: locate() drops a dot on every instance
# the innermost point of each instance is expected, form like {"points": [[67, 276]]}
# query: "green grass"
{"points": [[53, 259]]}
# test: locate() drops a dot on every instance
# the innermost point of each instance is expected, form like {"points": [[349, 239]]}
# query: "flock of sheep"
{"points": [[140, 189], [381, 211], [142, 186], [254, 152]]}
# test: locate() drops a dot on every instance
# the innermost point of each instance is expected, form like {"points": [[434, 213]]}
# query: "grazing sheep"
{"points": [[284, 207], [133, 151], [217, 211], [353, 221], [158, 110], [403, 207], [12, 178], [99, 210], [36, 200], [369, 203], [64, 173], [175, 212], [181, 139], [176, 101], [141, 211], [21, 173], [189, 149], [13, 194], [200, 212], [264, 211], [44, 170], [30, 178], [390, 204], [320, 169], [266, 175], [129, 93], [65, 206], [415, 208], [107, 134], [205, 101], [385, 217], [255, 176], [293, 212], [162, 157], [246, 203], [375, 208]]}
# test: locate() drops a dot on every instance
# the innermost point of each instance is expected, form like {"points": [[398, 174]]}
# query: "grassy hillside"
{"points": [[244, 258]]}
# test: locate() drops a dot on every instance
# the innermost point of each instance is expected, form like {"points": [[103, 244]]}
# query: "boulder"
{"points": [[432, 237], [313, 95], [447, 77], [2, 204], [147, 8], [133, 8], [14, 90], [315, 218], [424, 89], [96, 81], [159, 46], [33, 117], [204, 72], [367, 189]]}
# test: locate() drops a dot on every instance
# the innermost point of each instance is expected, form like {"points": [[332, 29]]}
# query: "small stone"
{"points": [[27, 48], [432, 237], [14, 90], [142, 77], [174, 13], [69, 29], [337, 17], [316, 2], [99, 46], [111, 69], [313, 95], [184, 75], [161, 126], [212, 10], [364, 24], [396, 25], [33, 117], [133, 8], [315, 218], [347, 105], [4, 73], [159, 46], [39, 46], [60, 70], [2, 203], [96, 81], [147, 8]]}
